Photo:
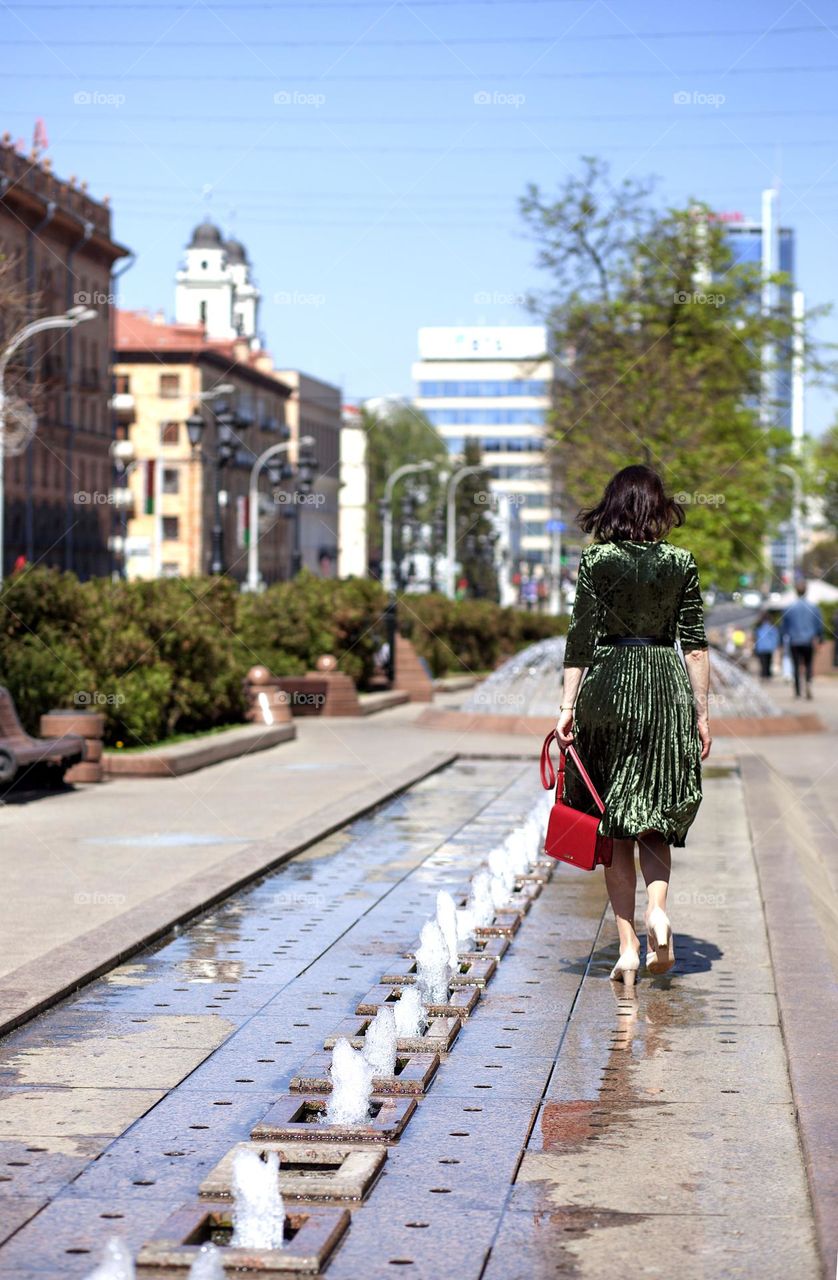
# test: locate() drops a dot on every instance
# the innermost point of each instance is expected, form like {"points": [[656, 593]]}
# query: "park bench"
{"points": [[18, 750]]}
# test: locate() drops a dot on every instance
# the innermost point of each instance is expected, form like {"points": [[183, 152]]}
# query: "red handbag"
{"points": [[572, 836]]}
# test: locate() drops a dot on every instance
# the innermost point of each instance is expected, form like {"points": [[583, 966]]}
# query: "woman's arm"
{"points": [[564, 725], [698, 670], [580, 646]]}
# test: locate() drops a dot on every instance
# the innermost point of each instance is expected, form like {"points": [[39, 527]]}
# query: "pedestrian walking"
{"points": [[802, 627], [766, 644], [635, 712]]}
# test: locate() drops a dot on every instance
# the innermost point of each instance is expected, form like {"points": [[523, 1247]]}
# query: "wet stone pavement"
{"points": [[571, 1130]]}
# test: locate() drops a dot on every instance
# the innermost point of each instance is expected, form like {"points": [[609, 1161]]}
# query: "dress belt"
{"points": [[636, 640]]}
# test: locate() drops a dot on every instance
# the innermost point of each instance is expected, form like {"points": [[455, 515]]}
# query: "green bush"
{"points": [[292, 624], [470, 635], [169, 656]]}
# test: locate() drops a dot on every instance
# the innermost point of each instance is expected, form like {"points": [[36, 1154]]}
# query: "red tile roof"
{"points": [[140, 331]]}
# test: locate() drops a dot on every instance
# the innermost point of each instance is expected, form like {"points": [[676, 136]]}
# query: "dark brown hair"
{"points": [[634, 506]]}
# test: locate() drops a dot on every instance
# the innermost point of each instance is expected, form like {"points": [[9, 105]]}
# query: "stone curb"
{"points": [[186, 757], [806, 993], [35, 986]]}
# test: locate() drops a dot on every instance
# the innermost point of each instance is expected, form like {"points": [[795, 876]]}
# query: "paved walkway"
{"points": [[657, 1134], [570, 1132]]}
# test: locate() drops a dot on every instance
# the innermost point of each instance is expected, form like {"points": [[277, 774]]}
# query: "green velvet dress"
{"points": [[635, 725]]}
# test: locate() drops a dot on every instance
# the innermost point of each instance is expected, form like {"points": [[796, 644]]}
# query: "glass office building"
{"points": [[493, 384]]}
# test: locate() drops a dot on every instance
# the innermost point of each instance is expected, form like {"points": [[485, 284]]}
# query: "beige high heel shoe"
{"points": [[660, 949], [625, 970]]}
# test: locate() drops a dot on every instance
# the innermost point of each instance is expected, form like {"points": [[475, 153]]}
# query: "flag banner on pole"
{"points": [[150, 486]]}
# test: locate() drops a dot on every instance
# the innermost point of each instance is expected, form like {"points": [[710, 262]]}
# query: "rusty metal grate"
{"points": [[413, 1074], [299, 1117], [321, 1172]]}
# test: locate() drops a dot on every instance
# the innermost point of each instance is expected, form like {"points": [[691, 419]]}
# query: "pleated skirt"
{"points": [[636, 735]]}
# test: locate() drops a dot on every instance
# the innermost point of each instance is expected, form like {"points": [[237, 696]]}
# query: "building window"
{"points": [[170, 569], [171, 480], [171, 528], [169, 432], [122, 384], [169, 385], [203, 312]]}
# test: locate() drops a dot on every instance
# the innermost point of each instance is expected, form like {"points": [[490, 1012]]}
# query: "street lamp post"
{"points": [[224, 452], [71, 318], [305, 473], [451, 540], [409, 468], [253, 500], [796, 512]]}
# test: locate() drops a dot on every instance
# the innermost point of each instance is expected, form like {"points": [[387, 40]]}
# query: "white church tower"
{"points": [[214, 288]]}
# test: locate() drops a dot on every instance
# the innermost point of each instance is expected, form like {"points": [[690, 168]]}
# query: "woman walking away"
{"points": [[638, 719], [766, 643]]}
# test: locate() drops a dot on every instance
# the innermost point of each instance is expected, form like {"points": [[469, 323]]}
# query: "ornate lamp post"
{"points": [[278, 470], [226, 437], [76, 315], [304, 475]]}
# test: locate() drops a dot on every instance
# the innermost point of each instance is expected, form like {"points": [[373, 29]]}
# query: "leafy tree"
{"points": [[821, 561], [825, 481], [396, 436], [660, 342], [475, 532]]}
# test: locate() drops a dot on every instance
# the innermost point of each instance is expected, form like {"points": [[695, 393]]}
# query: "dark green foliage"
{"points": [[169, 656]]}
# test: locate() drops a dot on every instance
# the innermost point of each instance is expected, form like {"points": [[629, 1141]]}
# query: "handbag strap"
{"points": [[549, 776]]}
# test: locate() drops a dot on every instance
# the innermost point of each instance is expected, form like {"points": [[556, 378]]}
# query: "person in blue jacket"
{"points": [[766, 643], [801, 627]]}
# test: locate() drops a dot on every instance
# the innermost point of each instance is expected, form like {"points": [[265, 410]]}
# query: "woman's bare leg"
{"points": [[656, 866], [621, 882]]}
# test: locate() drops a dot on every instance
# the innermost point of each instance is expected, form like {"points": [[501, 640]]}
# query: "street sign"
{"points": [[555, 526]]}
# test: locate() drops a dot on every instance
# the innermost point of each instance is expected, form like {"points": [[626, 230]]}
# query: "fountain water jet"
{"points": [[258, 1212], [517, 852], [480, 904], [207, 1265], [380, 1042], [432, 965], [409, 1013], [349, 1101], [446, 918], [526, 688], [501, 868], [116, 1262]]}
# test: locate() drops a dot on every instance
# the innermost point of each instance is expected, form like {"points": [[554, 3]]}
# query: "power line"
{"points": [[517, 119], [401, 149], [513, 38], [400, 77], [271, 6]]}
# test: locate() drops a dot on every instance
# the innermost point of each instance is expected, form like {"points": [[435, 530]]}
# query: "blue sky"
{"points": [[370, 155]]}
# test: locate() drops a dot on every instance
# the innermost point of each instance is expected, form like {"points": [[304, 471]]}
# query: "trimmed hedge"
{"points": [[169, 655], [470, 635]]}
